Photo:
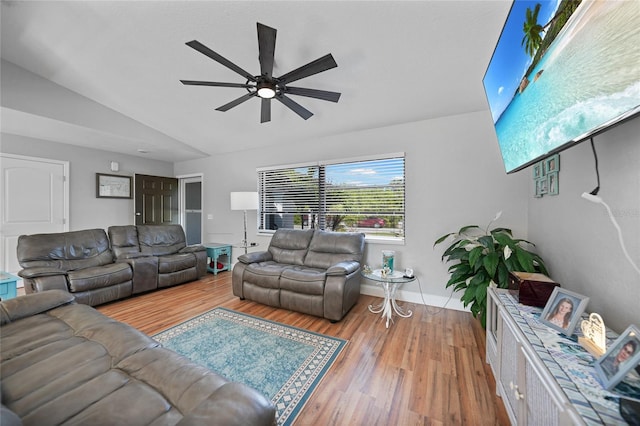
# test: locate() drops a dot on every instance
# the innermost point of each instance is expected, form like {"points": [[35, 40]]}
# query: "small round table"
{"points": [[390, 283]]}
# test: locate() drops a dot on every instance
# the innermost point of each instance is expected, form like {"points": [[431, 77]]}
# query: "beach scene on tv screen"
{"points": [[562, 70]]}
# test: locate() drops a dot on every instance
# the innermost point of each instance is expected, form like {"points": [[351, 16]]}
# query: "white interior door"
{"points": [[35, 199]]}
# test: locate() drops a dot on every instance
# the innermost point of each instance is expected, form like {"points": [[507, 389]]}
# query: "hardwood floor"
{"points": [[425, 370]]}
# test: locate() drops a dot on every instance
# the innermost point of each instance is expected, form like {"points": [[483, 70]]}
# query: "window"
{"points": [[363, 195]]}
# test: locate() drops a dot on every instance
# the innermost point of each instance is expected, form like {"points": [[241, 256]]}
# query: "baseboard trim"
{"points": [[413, 297]]}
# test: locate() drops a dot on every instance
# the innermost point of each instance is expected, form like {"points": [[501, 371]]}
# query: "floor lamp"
{"points": [[244, 201]]}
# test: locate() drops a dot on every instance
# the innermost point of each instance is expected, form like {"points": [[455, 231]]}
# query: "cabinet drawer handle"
{"points": [[518, 394]]}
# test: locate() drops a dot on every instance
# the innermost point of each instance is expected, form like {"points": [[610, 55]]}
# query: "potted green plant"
{"points": [[484, 257]]}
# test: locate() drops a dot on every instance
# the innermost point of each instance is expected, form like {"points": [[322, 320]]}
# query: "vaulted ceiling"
{"points": [[398, 62]]}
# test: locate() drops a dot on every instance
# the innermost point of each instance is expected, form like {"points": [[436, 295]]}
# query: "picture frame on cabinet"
{"points": [[620, 358], [563, 310]]}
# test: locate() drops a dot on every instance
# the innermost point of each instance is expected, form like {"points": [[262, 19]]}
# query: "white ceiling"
{"points": [[398, 62]]}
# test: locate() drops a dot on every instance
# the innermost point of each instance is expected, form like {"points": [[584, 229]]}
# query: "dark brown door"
{"points": [[156, 200]]}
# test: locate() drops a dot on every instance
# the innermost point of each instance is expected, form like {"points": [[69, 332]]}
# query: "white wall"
{"points": [[454, 177], [576, 237], [85, 210]]}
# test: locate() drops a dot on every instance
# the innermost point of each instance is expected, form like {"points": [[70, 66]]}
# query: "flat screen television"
{"points": [[562, 72]]}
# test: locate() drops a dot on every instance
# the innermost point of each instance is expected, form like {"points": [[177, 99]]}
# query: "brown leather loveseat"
{"points": [[309, 271], [67, 363], [96, 270]]}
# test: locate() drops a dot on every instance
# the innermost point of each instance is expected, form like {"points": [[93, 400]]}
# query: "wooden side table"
{"points": [[7, 285], [218, 253]]}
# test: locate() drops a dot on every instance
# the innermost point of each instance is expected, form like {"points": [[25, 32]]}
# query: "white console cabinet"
{"points": [[532, 379]]}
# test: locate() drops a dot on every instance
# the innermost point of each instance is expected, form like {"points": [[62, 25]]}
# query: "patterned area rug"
{"points": [[284, 363]]}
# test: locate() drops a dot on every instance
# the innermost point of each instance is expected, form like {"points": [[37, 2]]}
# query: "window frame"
{"points": [[322, 183]]}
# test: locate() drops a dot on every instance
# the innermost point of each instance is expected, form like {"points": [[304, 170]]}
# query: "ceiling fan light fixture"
{"points": [[266, 90]]}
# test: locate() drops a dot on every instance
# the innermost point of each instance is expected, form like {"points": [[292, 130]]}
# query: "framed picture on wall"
{"points": [[622, 356], [563, 310], [552, 164], [113, 186]]}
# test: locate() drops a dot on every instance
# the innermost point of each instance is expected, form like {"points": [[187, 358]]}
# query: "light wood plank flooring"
{"points": [[425, 370]]}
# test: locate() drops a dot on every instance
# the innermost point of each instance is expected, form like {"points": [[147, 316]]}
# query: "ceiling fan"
{"points": [[265, 86]]}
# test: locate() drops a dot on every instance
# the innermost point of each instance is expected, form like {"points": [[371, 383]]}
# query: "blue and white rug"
{"points": [[284, 363]]}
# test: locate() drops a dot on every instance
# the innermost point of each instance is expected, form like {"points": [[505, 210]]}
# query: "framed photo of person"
{"points": [[563, 310], [621, 357]]}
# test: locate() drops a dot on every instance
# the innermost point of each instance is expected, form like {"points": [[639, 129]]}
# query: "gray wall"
{"points": [[454, 177], [576, 237], [85, 210]]}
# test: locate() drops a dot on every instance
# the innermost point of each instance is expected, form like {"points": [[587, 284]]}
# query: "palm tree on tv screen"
{"points": [[532, 31]]}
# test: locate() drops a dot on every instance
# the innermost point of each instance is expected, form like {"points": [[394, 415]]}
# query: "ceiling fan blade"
{"points": [[216, 84], [267, 48], [236, 102], [313, 93], [322, 64], [265, 110], [194, 44], [294, 106]]}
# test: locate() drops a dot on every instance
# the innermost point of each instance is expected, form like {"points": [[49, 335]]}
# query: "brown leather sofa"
{"points": [[314, 272], [66, 363], [159, 250], [96, 270], [79, 262]]}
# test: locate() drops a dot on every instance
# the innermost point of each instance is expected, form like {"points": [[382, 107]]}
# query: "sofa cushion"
{"points": [[99, 277], [329, 248], [175, 262], [160, 240], [124, 240], [290, 245], [265, 274], [65, 250], [304, 280]]}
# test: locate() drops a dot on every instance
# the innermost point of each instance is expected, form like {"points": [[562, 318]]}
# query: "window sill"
{"points": [[386, 241]]}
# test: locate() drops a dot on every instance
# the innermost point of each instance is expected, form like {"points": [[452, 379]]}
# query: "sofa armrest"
{"points": [[255, 257], [32, 304], [192, 249], [232, 404], [40, 271], [343, 268]]}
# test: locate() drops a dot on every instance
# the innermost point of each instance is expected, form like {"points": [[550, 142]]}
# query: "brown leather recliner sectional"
{"points": [[66, 363], [313, 272], [96, 270]]}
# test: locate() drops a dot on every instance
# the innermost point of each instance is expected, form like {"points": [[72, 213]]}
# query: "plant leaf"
{"points": [[525, 258], [474, 255], [503, 276], [502, 230], [481, 294], [504, 239], [487, 241], [441, 239], [490, 263], [457, 254], [466, 228]]}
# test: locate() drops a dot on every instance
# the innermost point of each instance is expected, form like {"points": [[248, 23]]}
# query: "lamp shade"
{"points": [[244, 201]]}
